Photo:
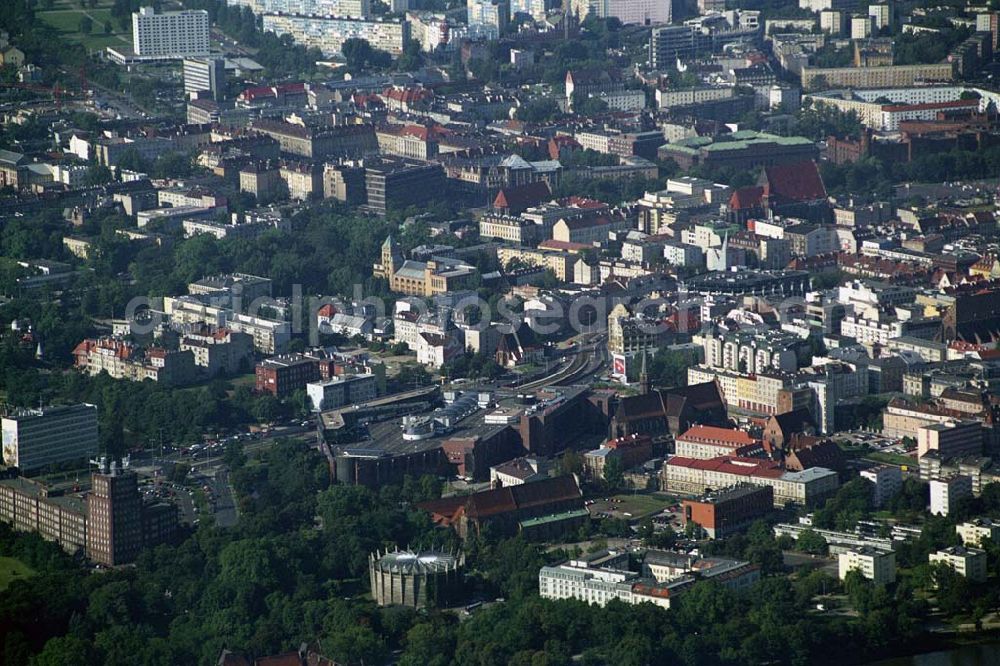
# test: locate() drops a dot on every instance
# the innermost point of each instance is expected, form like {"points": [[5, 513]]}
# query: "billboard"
{"points": [[619, 367]]}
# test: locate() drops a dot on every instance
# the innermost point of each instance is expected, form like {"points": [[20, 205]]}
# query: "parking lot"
{"points": [[630, 507]]}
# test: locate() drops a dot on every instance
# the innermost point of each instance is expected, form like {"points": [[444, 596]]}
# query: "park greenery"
{"points": [[293, 570]]}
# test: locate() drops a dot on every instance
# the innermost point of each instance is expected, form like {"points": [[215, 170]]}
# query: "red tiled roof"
{"points": [[746, 197], [703, 434], [566, 246], [522, 196], [731, 465], [794, 182]]}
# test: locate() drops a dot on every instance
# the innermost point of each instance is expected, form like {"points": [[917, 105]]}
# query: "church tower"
{"points": [[644, 376], [390, 260]]}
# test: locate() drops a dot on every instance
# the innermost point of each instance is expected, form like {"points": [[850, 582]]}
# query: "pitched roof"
{"points": [[509, 499], [823, 454], [797, 420], [720, 436], [746, 197], [794, 182], [522, 196]]}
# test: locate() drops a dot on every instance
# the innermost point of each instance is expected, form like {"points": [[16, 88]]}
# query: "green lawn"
{"points": [[637, 505], [66, 20], [12, 569], [892, 458]]}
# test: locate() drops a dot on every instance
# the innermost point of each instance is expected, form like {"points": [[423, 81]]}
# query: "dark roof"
{"points": [[701, 397], [823, 454], [506, 500], [637, 406], [794, 182], [797, 420]]}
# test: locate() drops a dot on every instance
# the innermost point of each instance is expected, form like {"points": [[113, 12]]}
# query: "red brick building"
{"points": [[728, 511], [282, 375]]}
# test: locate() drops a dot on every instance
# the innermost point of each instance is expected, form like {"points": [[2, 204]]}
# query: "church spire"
{"points": [[643, 376]]}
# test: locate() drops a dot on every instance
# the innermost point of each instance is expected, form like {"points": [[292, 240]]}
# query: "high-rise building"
{"points": [[170, 34], [882, 14], [114, 517], [946, 493], [34, 438], [204, 75], [345, 8], [328, 33]]}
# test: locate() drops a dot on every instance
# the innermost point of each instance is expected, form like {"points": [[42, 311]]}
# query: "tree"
{"points": [[810, 541], [614, 474], [538, 110], [97, 174], [357, 52], [86, 25], [107, 28]]}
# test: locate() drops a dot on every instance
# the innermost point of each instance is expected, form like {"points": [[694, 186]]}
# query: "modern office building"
{"points": [[951, 439], [114, 517], [342, 390], [728, 511], [399, 183], [204, 75], [170, 34], [875, 564], [35, 438]]}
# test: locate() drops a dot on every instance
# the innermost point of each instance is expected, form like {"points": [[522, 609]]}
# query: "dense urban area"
{"points": [[531, 332]]}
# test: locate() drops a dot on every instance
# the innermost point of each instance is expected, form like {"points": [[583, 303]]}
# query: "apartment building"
{"points": [[218, 351], [967, 562], [36, 438], [878, 566], [973, 532], [269, 336], [947, 491], [122, 360], [328, 33], [170, 34], [886, 481], [320, 142], [895, 76]]}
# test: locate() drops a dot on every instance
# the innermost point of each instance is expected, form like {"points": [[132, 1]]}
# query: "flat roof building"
{"points": [[878, 566], [730, 510], [35, 438], [170, 34], [967, 562]]}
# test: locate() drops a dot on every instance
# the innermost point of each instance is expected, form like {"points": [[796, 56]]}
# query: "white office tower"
{"points": [[204, 75], [169, 34], [34, 438]]}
